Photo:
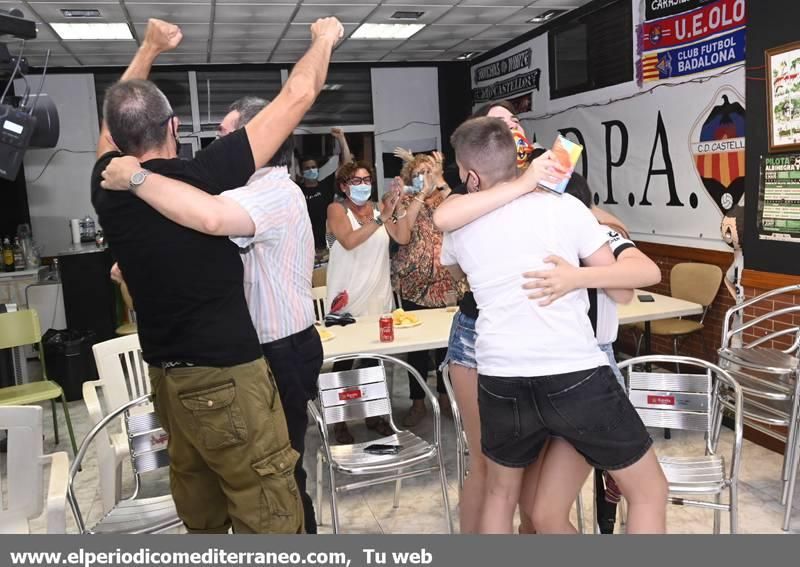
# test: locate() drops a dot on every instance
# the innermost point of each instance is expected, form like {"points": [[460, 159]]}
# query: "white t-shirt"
{"points": [[517, 336], [607, 322]]}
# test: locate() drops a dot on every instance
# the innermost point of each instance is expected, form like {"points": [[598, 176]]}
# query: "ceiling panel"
{"points": [[350, 13], [505, 33], [36, 47], [254, 13], [243, 45], [478, 15], [195, 13], [55, 61], [249, 31], [253, 32]]}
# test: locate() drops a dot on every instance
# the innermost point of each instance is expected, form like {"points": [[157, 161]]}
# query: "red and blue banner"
{"points": [[688, 27], [695, 58]]}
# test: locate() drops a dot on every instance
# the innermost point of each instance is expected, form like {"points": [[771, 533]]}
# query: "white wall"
{"points": [[400, 97], [683, 109], [62, 192]]}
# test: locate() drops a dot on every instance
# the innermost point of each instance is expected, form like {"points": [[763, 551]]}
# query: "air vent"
{"points": [[89, 13], [407, 15], [546, 16]]}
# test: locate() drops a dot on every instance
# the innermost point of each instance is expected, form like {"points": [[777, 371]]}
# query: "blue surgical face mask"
{"points": [[311, 174], [360, 194], [418, 182]]}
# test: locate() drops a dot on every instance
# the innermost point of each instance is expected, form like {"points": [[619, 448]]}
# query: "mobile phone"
{"points": [[646, 298], [378, 449]]}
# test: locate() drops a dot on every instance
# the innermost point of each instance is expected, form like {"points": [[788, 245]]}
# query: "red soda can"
{"points": [[386, 324]]}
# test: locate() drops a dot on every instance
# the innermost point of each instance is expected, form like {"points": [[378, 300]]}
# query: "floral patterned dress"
{"points": [[417, 273]]}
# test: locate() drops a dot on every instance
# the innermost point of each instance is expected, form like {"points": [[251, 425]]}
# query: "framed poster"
{"points": [[783, 97], [779, 198]]}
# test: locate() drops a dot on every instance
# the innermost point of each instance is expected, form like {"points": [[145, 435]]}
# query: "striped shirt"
{"points": [[279, 257]]}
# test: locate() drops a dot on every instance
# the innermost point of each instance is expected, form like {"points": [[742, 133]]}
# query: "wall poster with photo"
{"points": [[783, 97]]}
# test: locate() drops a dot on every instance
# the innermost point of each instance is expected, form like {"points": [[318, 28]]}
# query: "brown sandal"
{"points": [[379, 425]]}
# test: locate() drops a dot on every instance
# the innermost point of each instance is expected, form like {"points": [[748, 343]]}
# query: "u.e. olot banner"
{"points": [[699, 40]]}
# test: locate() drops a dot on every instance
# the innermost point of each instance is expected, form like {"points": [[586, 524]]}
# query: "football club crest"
{"points": [[718, 148]]}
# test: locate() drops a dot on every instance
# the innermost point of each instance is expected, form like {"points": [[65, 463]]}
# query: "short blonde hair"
{"points": [[410, 166]]}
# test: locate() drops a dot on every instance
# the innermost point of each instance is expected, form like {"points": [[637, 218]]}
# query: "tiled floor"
{"points": [[371, 510]]}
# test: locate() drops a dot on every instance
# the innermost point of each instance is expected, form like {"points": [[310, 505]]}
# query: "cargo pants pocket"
{"points": [[281, 508], [217, 415]]}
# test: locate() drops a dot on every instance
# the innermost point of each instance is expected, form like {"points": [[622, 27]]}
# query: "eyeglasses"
{"points": [[359, 180]]}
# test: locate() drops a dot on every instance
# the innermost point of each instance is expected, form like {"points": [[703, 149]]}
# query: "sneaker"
{"points": [[415, 415]]}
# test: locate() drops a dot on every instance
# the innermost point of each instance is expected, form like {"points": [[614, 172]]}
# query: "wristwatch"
{"points": [[137, 179], [379, 221]]}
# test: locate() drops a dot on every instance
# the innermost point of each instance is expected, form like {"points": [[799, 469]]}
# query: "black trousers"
{"points": [[295, 362], [420, 360]]}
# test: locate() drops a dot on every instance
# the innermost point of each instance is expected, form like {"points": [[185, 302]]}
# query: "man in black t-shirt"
{"points": [[319, 188], [230, 459]]}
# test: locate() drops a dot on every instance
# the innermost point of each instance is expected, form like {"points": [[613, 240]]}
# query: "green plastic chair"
{"points": [[22, 328]]}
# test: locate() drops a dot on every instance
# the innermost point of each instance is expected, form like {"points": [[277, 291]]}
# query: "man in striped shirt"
{"points": [[269, 222]]}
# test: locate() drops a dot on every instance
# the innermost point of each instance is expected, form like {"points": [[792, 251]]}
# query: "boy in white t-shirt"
{"points": [[541, 373]]}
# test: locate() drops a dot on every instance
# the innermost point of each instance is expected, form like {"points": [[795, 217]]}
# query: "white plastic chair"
{"points": [[123, 377], [24, 475]]}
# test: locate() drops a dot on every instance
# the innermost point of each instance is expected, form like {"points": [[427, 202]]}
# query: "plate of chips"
{"points": [[405, 320], [325, 335]]}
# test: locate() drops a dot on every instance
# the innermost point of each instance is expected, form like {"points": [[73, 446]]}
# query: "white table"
{"points": [[434, 332], [363, 335]]}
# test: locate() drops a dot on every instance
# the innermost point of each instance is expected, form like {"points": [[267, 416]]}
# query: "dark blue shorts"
{"points": [[588, 408]]}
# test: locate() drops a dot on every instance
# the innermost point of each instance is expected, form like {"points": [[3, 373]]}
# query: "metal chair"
{"points": [[319, 294], [462, 448], [770, 377], [353, 395], [123, 377], [21, 328], [692, 402], [698, 283], [24, 488], [148, 452]]}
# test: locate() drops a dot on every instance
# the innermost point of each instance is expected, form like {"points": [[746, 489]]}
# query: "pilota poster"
{"points": [[779, 202], [699, 57], [688, 27]]}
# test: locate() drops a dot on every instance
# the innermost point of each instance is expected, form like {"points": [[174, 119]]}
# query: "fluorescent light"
{"points": [[331, 87], [386, 31], [92, 31], [467, 55]]}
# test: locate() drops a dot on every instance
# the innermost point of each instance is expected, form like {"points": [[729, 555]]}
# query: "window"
{"points": [[345, 100], [592, 51], [216, 90]]}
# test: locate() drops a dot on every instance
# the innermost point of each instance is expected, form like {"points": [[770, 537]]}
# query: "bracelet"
{"points": [[417, 199], [378, 221]]}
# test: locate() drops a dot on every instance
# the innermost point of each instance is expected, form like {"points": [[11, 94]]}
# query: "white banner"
{"points": [[668, 163]]}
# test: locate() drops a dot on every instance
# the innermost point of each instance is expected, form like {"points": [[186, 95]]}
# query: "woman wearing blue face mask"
{"points": [[359, 257]]}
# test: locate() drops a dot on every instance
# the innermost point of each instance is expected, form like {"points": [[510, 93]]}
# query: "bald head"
{"points": [[139, 116]]}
